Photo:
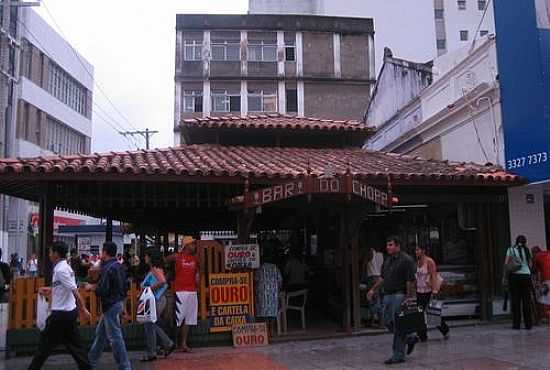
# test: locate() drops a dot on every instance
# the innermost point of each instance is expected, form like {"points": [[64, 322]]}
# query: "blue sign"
{"points": [[523, 50]]}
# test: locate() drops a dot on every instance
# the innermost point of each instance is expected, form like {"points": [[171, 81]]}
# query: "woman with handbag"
{"points": [[428, 283], [517, 265], [156, 280]]}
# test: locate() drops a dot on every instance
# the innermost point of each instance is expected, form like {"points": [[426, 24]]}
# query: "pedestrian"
{"points": [[6, 277], [397, 279], [66, 302], [32, 266], [268, 281], [156, 280], [185, 284], [520, 282], [111, 289], [541, 270], [427, 285], [370, 274]]}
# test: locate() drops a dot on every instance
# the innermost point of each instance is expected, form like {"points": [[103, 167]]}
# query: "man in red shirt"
{"points": [[185, 284], [541, 263]]}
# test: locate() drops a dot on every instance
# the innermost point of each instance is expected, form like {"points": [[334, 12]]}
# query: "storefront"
{"points": [[325, 196]]}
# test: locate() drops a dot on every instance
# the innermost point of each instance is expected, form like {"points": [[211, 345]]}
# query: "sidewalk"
{"points": [[470, 348]]}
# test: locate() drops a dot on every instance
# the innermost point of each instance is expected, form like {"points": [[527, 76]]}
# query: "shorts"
{"points": [[187, 306]]}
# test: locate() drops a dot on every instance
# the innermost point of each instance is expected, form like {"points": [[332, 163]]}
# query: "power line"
{"points": [[146, 134], [479, 25], [110, 120], [96, 83]]}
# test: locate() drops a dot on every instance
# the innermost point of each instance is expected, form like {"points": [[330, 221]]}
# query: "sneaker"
{"points": [[411, 343], [392, 361]]}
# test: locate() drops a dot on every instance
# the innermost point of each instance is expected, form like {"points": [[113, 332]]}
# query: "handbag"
{"points": [[147, 309], [409, 320], [434, 313], [514, 264]]}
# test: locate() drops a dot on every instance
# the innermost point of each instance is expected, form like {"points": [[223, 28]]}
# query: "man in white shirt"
{"points": [[61, 326]]}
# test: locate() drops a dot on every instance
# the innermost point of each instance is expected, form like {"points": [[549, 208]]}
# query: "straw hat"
{"points": [[187, 240]]}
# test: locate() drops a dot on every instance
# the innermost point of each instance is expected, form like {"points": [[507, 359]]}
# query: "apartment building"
{"points": [[258, 64], [418, 30], [52, 115]]}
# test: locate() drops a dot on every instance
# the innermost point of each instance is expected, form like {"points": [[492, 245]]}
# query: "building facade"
{"points": [[417, 30], [257, 64], [52, 114]]}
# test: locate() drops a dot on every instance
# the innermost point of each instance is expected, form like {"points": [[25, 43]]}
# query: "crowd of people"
{"points": [[392, 282]]}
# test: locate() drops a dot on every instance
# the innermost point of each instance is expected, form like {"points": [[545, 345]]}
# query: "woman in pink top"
{"points": [[426, 285]]}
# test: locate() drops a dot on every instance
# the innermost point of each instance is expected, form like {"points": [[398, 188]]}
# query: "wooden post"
{"points": [[45, 234], [344, 247], [109, 230], [355, 279], [244, 225]]}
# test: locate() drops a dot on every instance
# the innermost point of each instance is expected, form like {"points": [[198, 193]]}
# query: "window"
{"points": [[192, 50], [481, 4], [66, 89], [442, 44], [439, 14], [62, 139], [225, 101], [461, 4], [192, 101], [290, 53], [262, 101], [226, 46], [292, 101], [262, 52], [483, 33], [463, 35]]}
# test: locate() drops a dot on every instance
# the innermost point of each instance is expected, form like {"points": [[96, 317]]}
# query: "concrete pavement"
{"points": [[472, 348]]}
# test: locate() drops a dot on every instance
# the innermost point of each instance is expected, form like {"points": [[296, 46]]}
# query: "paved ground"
{"points": [[470, 348]]}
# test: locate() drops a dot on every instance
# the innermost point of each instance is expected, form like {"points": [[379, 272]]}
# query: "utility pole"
{"points": [[146, 134], [9, 61]]}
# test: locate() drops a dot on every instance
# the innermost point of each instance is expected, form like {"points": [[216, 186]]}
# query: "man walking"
{"points": [[111, 290], [186, 281], [61, 326], [398, 280]]}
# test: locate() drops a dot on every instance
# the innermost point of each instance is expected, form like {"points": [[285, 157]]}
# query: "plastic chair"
{"points": [[282, 324], [302, 308]]}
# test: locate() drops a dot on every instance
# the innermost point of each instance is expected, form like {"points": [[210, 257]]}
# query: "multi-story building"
{"points": [[417, 30], [52, 114], [256, 64]]}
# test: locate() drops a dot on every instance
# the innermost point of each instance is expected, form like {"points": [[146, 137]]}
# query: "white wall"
{"points": [[525, 218], [46, 102], [43, 36], [467, 20]]}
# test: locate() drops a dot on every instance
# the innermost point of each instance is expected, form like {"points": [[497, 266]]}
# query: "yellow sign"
{"points": [[230, 301]]}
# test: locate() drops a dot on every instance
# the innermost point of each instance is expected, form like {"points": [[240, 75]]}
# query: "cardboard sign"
{"points": [[230, 301], [242, 256], [250, 335]]}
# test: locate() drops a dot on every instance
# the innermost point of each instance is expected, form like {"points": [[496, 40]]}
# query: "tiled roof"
{"points": [[276, 121], [259, 162]]}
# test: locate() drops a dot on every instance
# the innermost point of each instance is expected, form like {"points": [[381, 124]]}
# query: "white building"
{"points": [[419, 30], [453, 113], [52, 114]]}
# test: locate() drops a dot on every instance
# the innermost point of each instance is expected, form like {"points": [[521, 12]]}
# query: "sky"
{"points": [[131, 44]]}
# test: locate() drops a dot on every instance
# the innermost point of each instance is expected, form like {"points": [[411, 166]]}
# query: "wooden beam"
{"points": [[109, 230], [45, 235]]}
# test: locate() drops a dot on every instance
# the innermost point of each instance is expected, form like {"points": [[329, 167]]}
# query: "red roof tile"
{"points": [[260, 162], [276, 121]]}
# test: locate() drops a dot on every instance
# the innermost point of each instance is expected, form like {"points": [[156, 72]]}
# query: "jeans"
{"points": [[61, 328], [152, 329], [423, 300], [109, 330], [392, 306]]}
